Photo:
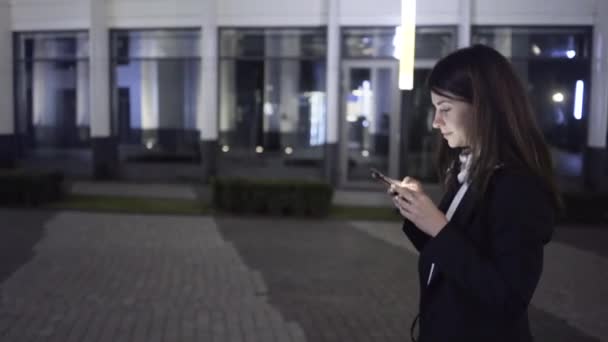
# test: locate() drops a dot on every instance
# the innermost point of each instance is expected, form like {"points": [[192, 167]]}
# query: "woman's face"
{"points": [[451, 118]]}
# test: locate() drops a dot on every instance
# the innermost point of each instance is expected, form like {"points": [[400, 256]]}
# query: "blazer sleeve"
{"points": [[418, 238], [521, 219]]}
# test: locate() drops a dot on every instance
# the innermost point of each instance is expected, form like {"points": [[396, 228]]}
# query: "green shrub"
{"points": [[277, 198], [159, 157], [585, 208], [27, 188]]}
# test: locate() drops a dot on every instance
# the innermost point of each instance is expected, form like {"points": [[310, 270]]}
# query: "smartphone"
{"points": [[378, 175]]}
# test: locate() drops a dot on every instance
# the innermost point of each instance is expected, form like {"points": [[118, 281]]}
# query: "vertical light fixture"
{"points": [[578, 99], [408, 44]]}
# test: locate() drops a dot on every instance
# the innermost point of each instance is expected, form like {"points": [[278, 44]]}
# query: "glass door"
{"points": [[370, 120]]}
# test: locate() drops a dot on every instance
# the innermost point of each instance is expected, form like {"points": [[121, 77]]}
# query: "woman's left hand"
{"points": [[417, 207]]}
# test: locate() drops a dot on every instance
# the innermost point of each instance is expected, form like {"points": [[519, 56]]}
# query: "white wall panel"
{"points": [[154, 13], [272, 13], [28, 15], [387, 12], [73, 14], [533, 12]]}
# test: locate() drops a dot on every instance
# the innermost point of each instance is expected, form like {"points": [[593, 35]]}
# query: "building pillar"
{"points": [[103, 142], [465, 23], [8, 140], [83, 107], [332, 160], [595, 159], [207, 106]]}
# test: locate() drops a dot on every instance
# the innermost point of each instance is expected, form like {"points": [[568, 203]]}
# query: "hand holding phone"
{"points": [[379, 176]]}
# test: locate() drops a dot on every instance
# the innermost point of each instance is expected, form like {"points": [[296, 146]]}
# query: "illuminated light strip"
{"points": [[408, 44], [578, 100]]}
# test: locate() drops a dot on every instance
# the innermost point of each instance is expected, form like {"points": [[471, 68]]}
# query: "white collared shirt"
{"points": [[463, 179]]}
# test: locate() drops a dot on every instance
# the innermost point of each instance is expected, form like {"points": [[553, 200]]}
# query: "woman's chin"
{"points": [[453, 144]]}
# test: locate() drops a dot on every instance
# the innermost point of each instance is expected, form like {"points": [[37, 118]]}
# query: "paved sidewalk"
{"points": [[374, 197], [72, 276], [97, 277]]}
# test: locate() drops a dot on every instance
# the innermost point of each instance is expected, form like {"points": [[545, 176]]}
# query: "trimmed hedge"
{"points": [[585, 208], [27, 188], [277, 198], [164, 158]]}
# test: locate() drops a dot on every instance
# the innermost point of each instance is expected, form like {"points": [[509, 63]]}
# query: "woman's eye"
{"points": [[444, 111]]}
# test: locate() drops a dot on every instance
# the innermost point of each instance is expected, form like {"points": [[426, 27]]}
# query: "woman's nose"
{"points": [[437, 121]]}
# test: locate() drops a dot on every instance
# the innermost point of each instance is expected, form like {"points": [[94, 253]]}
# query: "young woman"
{"points": [[481, 250]]}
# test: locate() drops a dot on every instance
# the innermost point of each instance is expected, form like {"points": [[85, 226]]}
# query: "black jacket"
{"points": [[486, 262]]}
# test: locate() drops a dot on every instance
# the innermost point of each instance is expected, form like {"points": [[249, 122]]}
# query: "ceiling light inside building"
{"points": [[558, 97], [571, 54], [268, 109]]}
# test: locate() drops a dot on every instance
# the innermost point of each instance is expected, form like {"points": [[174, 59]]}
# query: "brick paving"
{"points": [[72, 276]]}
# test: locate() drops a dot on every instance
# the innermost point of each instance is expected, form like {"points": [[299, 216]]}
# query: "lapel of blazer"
{"points": [[465, 209], [447, 198]]}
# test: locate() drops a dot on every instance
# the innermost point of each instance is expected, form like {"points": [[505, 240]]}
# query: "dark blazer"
{"points": [[486, 261]]}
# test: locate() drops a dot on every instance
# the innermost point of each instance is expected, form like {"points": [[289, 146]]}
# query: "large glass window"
{"points": [[555, 67], [155, 87], [272, 95], [381, 42], [52, 89], [368, 130]]}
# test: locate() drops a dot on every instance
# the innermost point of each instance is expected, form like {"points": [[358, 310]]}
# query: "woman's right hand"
{"points": [[407, 182]]}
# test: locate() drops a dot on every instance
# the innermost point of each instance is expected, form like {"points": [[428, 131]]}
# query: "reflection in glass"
{"points": [[417, 120], [273, 103], [46, 45], [537, 42], [554, 65], [156, 89], [180, 43], [369, 104], [264, 43], [272, 95], [431, 43], [156, 98], [52, 96]]}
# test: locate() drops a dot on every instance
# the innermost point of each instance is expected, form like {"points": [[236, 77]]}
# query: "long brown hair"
{"points": [[503, 128]]}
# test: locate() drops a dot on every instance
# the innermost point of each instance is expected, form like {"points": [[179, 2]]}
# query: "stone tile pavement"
{"points": [[72, 276]]}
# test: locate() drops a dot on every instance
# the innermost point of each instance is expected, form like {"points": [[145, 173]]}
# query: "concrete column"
{"points": [[228, 91], [228, 97], [83, 114], [272, 79], [8, 140], [104, 143], [207, 107], [332, 162], [464, 27], [596, 157], [289, 107], [47, 81], [149, 95]]}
